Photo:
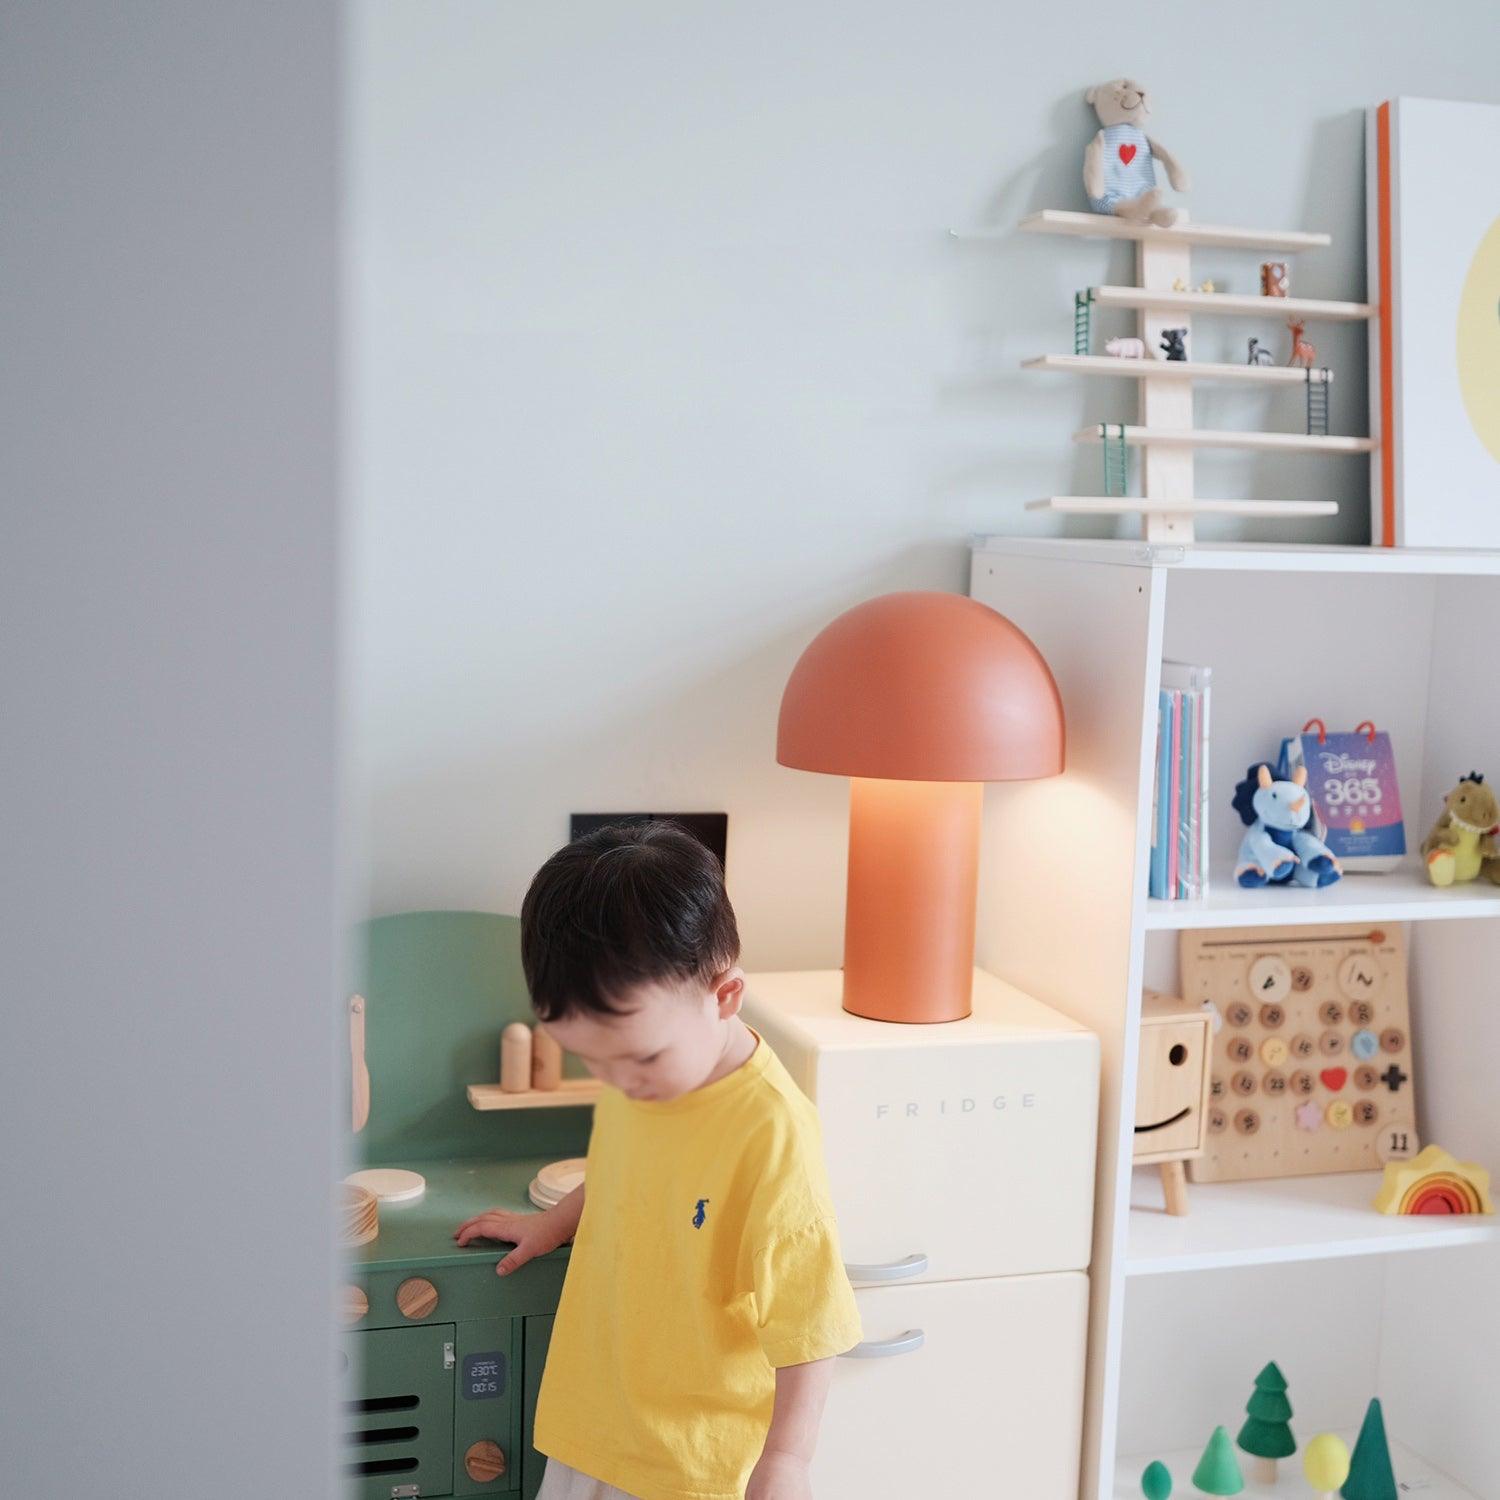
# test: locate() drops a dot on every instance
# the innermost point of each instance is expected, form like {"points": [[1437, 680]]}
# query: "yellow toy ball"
{"points": [[1326, 1463]]}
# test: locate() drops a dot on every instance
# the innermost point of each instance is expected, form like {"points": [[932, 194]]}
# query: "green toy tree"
{"points": [[1156, 1482], [1266, 1435], [1370, 1476], [1218, 1471]]}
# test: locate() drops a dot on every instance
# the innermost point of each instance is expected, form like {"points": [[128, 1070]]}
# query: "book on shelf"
{"points": [[1179, 823]]}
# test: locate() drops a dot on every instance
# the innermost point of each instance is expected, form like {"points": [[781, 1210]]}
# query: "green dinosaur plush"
{"points": [[1462, 845]]}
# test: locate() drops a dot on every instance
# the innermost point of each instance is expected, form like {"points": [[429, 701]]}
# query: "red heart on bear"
{"points": [[1333, 1078], [1127, 154]]}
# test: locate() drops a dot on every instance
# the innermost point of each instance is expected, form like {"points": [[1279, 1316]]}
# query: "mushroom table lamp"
{"points": [[920, 698]]}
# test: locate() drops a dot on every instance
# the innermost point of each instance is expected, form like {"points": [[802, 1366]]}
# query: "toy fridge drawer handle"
{"points": [[892, 1270], [903, 1343]]}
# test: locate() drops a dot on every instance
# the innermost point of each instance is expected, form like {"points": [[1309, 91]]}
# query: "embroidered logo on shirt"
{"points": [[700, 1213]]}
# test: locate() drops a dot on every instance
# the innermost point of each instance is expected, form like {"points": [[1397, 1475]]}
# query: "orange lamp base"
{"points": [[913, 877]]}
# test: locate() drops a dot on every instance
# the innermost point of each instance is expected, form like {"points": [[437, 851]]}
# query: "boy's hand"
{"points": [[531, 1234], [779, 1476]]}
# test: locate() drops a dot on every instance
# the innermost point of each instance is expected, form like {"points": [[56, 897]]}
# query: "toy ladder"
{"points": [[1317, 405], [1083, 303], [1116, 475]]}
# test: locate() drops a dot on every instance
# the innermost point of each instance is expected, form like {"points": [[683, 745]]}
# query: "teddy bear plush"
{"points": [[1119, 165], [1462, 845]]}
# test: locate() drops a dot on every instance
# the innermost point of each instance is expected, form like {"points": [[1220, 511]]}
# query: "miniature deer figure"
{"points": [[1302, 353]]}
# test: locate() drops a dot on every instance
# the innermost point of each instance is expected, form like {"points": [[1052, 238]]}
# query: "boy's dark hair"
{"points": [[624, 905]]}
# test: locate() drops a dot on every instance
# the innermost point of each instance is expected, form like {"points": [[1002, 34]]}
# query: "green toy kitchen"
{"points": [[442, 1359]]}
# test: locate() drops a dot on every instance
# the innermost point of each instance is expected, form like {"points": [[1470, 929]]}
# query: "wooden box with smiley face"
{"points": [[1172, 1080], [1311, 1062]]}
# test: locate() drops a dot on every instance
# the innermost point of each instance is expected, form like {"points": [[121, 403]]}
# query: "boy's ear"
{"points": [[729, 991]]}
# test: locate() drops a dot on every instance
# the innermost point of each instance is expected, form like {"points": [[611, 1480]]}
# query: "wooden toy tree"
{"points": [[1370, 1475], [1267, 1435], [1156, 1482], [1326, 1464], [1218, 1471]]}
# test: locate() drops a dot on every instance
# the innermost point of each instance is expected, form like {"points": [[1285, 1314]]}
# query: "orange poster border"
{"points": [[1387, 331]]}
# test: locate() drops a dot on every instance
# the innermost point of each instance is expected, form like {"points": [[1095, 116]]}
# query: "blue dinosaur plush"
{"points": [[1277, 848]]}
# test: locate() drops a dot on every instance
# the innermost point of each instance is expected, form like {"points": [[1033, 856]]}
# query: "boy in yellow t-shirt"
{"points": [[705, 1297]]}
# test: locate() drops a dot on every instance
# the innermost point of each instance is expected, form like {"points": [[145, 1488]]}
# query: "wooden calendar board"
{"points": [[1311, 1067]]}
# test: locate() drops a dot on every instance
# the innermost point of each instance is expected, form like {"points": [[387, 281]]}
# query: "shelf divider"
{"points": [[1276, 1220], [1403, 895]]}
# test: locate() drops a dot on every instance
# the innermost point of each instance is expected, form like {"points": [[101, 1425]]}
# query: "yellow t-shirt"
{"points": [[706, 1258]]}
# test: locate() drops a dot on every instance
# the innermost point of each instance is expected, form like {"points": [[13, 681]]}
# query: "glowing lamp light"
{"points": [[920, 698]]}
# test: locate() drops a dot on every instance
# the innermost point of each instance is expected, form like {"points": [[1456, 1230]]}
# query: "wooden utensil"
{"points": [[359, 1073]]}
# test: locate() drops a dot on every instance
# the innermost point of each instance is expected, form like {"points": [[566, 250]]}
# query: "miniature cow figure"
{"points": [[1126, 348]]}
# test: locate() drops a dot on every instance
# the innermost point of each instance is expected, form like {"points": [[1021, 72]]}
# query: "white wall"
{"points": [[169, 570], [662, 357]]}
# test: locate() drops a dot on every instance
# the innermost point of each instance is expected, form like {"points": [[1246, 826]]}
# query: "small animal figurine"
{"points": [[1463, 844], [1179, 284], [1258, 355], [1303, 353], [1174, 341], [1277, 848], [1273, 279], [1208, 286], [1119, 164], [1126, 348]]}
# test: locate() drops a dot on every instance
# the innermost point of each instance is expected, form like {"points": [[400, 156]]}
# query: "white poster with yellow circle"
{"points": [[1434, 206]]}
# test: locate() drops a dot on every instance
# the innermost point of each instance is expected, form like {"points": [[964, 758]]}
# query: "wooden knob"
{"points": [[484, 1461], [417, 1298], [353, 1305]]}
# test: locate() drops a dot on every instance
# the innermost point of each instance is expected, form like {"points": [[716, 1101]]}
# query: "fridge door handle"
{"points": [[903, 1343], [892, 1270]]}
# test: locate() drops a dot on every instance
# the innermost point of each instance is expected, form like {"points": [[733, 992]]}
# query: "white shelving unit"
{"points": [[1164, 435], [1302, 1270]]}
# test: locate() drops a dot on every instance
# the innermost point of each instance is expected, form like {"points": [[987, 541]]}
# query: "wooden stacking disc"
{"points": [[359, 1215], [484, 1461], [390, 1184], [353, 1304], [417, 1298]]}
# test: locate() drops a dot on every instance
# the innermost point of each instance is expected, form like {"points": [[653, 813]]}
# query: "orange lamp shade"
{"points": [[919, 697]]}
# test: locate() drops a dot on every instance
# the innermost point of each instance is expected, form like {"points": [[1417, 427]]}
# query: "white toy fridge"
{"points": [[961, 1159]]}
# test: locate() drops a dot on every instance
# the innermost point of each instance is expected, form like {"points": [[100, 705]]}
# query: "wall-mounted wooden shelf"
{"points": [[1205, 437], [1127, 505], [1248, 557], [1234, 304], [1176, 369], [1107, 226], [570, 1091]]}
